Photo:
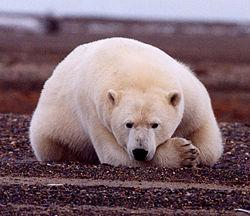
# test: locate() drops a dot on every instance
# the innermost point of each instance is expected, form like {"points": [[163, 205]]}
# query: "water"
{"points": [[195, 10]]}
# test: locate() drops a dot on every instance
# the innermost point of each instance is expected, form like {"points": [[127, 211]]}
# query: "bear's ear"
{"points": [[113, 97], [174, 98]]}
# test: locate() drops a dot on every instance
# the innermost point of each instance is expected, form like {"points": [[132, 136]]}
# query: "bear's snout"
{"points": [[140, 154], [141, 141], [141, 144]]}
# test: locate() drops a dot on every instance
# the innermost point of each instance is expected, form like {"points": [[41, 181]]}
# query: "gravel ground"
{"points": [[71, 188]]}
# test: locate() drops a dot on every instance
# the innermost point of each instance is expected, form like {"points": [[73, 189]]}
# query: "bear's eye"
{"points": [[129, 125], [154, 125]]}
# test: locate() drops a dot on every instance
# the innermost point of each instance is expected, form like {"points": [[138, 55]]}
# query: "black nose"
{"points": [[140, 154]]}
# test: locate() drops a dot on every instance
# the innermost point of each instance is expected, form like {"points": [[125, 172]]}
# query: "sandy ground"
{"points": [[71, 188], [218, 53]]}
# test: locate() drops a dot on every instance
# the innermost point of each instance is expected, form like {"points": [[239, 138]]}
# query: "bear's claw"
{"points": [[189, 153]]}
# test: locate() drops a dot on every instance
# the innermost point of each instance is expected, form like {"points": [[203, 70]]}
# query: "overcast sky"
{"points": [[206, 10]]}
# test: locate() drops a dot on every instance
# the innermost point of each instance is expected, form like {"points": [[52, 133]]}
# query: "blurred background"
{"points": [[212, 37]]}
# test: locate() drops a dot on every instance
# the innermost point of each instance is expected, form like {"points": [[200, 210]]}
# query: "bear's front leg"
{"points": [[208, 139], [175, 153], [107, 149]]}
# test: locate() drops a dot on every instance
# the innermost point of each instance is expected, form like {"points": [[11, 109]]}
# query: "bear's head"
{"points": [[142, 120]]}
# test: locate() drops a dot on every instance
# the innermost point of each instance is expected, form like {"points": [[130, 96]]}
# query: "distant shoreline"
{"points": [[23, 15]]}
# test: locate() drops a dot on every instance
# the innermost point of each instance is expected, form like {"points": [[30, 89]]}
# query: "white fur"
{"points": [[101, 86]]}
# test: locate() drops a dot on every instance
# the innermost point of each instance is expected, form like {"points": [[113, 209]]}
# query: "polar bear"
{"points": [[124, 102]]}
